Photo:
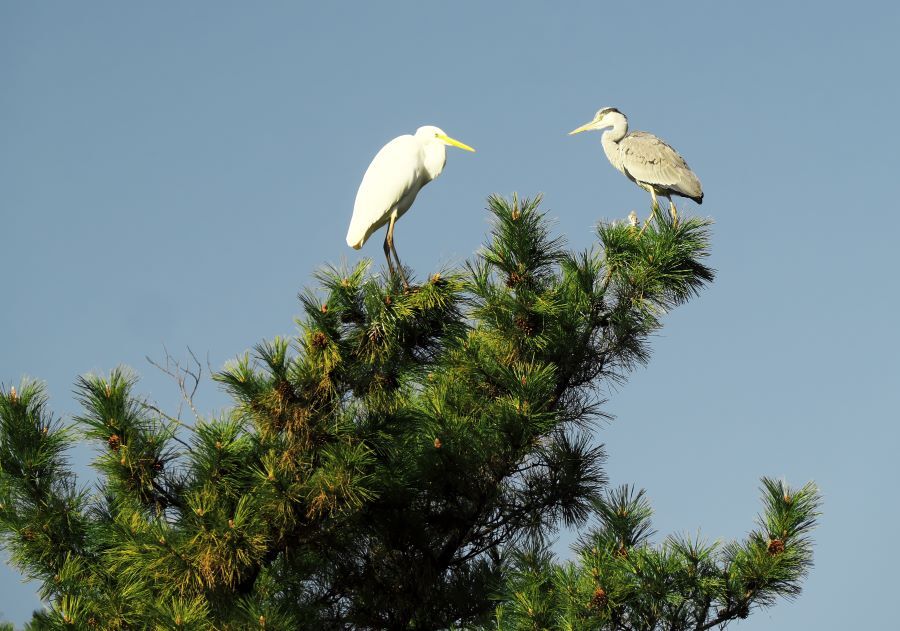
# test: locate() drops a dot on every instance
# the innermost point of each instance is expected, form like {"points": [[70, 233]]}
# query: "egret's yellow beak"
{"points": [[455, 143], [585, 127]]}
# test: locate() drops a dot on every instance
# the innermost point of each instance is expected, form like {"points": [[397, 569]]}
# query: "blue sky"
{"points": [[172, 173]]}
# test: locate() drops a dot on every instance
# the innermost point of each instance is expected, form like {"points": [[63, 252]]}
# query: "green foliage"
{"points": [[385, 468], [621, 581]]}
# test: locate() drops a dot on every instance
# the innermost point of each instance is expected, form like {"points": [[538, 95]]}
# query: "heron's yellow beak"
{"points": [[585, 127], [455, 143]]}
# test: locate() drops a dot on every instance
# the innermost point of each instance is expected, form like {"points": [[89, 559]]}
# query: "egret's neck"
{"points": [[611, 138], [435, 154]]}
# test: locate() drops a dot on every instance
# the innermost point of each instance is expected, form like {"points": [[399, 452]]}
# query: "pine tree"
{"points": [[397, 465]]}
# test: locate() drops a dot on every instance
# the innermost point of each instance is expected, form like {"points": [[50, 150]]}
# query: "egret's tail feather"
{"points": [[354, 240]]}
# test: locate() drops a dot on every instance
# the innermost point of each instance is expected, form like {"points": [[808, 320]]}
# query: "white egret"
{"points": [[645, 159], [391, 183]]}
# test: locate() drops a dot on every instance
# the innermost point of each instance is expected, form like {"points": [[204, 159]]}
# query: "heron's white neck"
{"points": [[611, 138], [435, 156]]}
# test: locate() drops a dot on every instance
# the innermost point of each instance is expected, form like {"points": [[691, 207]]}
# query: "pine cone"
{"points": [[525, 325], [387, 380], [514, 279], [319, 340], [114, 442], [285, 390], [776, 547], [599, 599]]}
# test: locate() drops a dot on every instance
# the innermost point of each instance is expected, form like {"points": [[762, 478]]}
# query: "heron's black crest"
{"points": [[607, 110]]}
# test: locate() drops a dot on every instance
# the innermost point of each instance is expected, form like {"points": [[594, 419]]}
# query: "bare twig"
{"points": [[187, 378], [171, 419]]}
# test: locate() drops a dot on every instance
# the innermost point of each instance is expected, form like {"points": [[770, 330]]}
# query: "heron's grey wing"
{"points": [[394, 172], [651, 160]]}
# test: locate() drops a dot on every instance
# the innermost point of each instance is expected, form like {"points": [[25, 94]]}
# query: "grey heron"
{"points": [[645, 159], [396, 175]]}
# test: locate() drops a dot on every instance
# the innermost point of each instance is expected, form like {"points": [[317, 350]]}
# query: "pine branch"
{"points": [[621, 581]]}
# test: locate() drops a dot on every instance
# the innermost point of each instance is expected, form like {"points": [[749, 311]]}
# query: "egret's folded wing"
{"points": [[394, 171], [649, 159]]}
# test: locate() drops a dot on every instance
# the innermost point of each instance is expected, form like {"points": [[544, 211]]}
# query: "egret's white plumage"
{"points": [[645, 159], [392, 181]]}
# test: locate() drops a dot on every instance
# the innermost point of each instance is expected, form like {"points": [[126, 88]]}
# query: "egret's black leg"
{"points": [[389, 241], [387, 253]]}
